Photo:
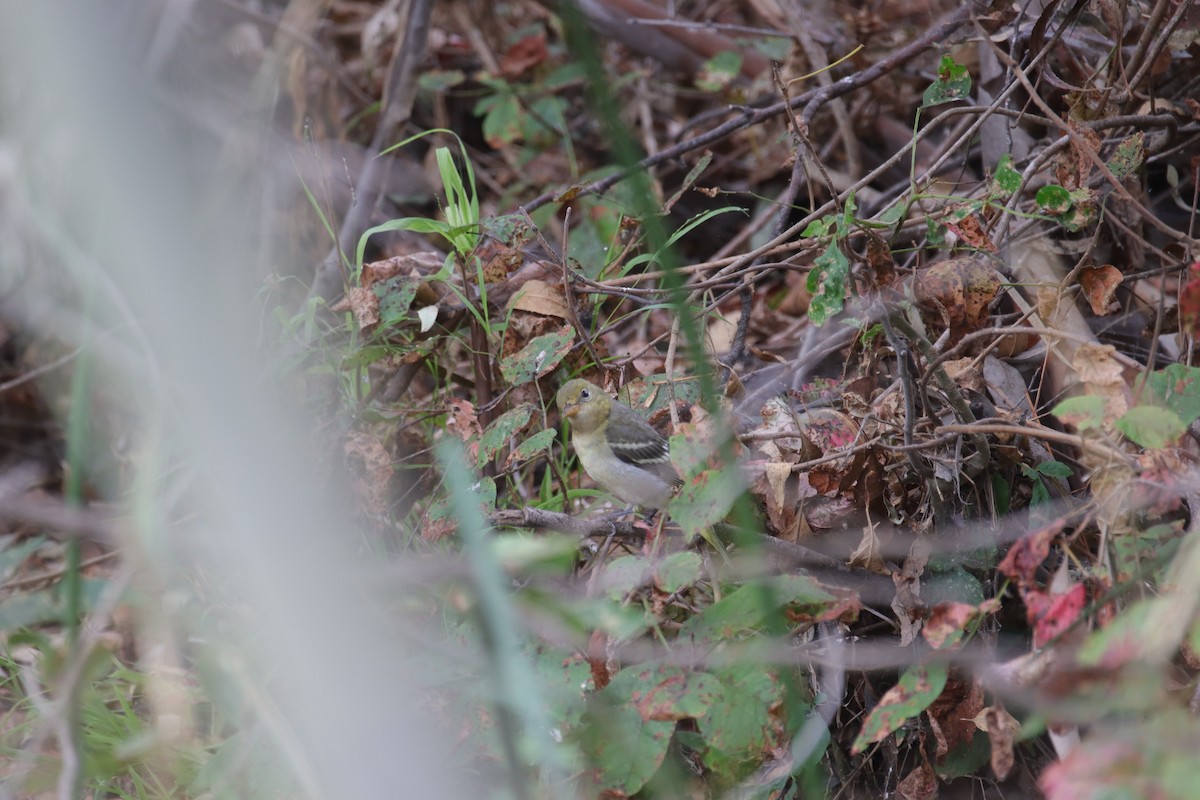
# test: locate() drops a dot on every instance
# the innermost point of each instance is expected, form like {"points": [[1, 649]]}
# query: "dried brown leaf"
{"points": [[1099, 285]]}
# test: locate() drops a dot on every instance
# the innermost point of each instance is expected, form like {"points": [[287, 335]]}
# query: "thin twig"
{"points": [[37, 372], [569, 294], [1046, 434], [1089, 152], [400, 92], [749, 117]]}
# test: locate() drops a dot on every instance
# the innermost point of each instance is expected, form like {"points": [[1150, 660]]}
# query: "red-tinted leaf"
{"points": [[1189, 302], [971, 233], [917, 689], [948, 622], [1028, 553], [672, 694], [528, 51], [1052, 614], [464, 423], [920, 784], [1098, 770]]}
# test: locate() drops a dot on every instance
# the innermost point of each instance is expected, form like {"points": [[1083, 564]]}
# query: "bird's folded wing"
{"points": [[650, 453]]}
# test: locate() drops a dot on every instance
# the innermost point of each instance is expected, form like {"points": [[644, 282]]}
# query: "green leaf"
{"points": [[953, 83], [365, 356], [520, 553], [955, 585], [564, 677], [586, 615], [706, 499], [689, 180], [848, 208], [547, 119], [744, 610], [719, 71], [819, 227], [14, 555], [1083, 210], [1126, 639], [916, 690], [565, 75], [1130, 154], [626, 747], [501, 432], [502, 117], [511, 229], [678, 571], [737, 726], [395, 296], [893, 215], [1178, 388], [26, 609], [538, 358], [36, 608], [1085, 411], [1002, 492], [1150, 427], [690, 455], [414, 224], [1006, 180], [827, 283], [870, 334], [1053, 199], [437, 81], [1039, 495], [1054, 469], [627, 750], [1138, 554], [483, 494], [654, 392], [665, 692], [966, 758], [623, 575], [462, 202], [534, 446], [935, 233]]}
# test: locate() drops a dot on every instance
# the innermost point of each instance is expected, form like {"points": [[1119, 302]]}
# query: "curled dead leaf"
{"points": [[1101, 375], [370, 468], [965, 374], [920, 784], [951, 714], [539, 297], [778, 437], [1002, 728], [363, 304], [958, 293], [970, 232], [869, 553], [1099, 285], [824, 433]]}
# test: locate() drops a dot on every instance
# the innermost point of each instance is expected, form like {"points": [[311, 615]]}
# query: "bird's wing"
{"points": [[650, 452]]}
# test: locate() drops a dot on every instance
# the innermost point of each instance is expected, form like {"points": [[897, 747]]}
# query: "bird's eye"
{"points": [[584, 394]]}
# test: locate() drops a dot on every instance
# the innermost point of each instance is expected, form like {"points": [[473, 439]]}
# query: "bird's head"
{"points": [[584, 403]]}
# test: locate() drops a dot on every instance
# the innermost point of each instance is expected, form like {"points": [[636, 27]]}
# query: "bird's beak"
{"points": [[571, 410]]}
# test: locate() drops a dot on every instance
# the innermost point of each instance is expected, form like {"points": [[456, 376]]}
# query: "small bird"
{"points": [[617, 448]]}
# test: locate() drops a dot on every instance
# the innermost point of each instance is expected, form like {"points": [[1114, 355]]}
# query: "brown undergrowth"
{"points": [[918, 317]]}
